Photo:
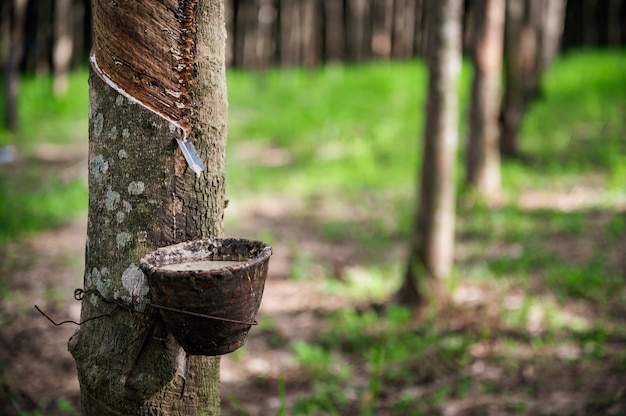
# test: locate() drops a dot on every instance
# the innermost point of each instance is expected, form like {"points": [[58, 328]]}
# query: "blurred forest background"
{"points": [[326, 129]]}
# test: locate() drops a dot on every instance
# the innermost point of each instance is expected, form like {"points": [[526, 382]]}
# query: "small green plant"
{"points": [[591, 281], [370, 396]]}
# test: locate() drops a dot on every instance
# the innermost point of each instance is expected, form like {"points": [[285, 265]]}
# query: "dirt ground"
{"points": [[38, 374]]}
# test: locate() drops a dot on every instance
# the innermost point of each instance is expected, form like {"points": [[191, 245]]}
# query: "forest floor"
{"points": [[537, 374]]}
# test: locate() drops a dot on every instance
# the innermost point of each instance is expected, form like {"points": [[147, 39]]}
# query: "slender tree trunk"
{"points": [[80, 40], [334, 31], [310, 36], [382, 32], [404, 29], [249, 25], [553, 22], [5, 32], [483, 152], [38, 59], [143, 196], [532, 38], [266, 39], [614, 29], [63, 44], [290, 33], [513, 104], [432, 250], [357, 27], [12, 70], [590, 23], [229, 17], [421, 34]]}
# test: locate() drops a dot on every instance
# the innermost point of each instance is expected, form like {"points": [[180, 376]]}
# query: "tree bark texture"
{"points": [[143, 196], [483, 152], [432, 251]]}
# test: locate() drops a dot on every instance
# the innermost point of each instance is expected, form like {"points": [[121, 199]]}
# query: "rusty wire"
{"points": [[79, 294]]}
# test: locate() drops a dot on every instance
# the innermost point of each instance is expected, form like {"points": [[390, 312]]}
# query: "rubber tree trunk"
{"points": [[358, 38], [334, 30], [552, 25], [515, 63], [142, 196], [290, 33], [63, 44], [11, 69], [483, 151], [432, 250]]}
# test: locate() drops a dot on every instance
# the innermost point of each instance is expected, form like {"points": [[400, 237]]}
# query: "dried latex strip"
{"points": [[144, 49]]}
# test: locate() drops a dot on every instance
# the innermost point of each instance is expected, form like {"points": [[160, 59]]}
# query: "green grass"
{"points": [[46, 118], [578, 126], [34, 196], [30, 204], [341, 122]]}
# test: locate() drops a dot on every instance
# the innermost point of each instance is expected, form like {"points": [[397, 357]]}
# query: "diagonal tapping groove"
{"points": [[151, 65]]}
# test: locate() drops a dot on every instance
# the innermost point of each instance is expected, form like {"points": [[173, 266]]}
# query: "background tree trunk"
{"points": [[614, 27], [63, 44], [334, 30], [12, 70], [230, 7], [310, 36], [553, 23], [290, 33], [513, 104], [382, 32], [143, 196], [357, 26], [266, 45], [432, 250], [590, 29], [483, 152], [41, 16], [404, 28]]}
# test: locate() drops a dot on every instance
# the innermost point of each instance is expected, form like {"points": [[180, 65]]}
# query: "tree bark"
{"points": [[290, 33], [310, 36], [5, 32], [11, 70], [63, 44], [249, 16], [358, 30], [553, 23], [266, 40], [590, 23], [432, 250], [334, 31], [513, 104], [38, 58], [483, 152], [229, 17], [404, 29], [143, 196], [382, 28], [614, 25]]}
